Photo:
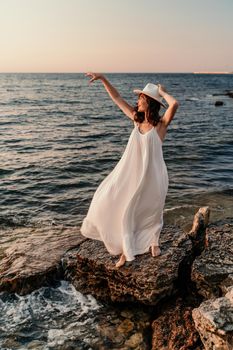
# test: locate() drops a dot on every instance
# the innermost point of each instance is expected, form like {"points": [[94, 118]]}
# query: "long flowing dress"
{"points": [[126, 211]]}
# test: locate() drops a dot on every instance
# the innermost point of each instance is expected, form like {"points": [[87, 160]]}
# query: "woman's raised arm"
{"points": [[172, 105], [113, 93]]}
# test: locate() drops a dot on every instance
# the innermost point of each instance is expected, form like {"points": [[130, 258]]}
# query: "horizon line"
{"points": [[196, 72]]}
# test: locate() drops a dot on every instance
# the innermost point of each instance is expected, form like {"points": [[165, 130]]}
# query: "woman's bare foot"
{"points": [[155, 250], [121, 261]]}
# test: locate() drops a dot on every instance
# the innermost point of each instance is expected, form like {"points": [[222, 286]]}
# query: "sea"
{"points": [[61, 136]]}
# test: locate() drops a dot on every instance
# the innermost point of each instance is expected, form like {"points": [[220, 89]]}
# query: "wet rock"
{"points": [[212, 271], [11, 344], [174, 329], [125, 327], [121, 333], [214, 321], [147, 279], [34, 261], [229, 93], [134, 341], [126, 314], [218, 103], [35, 344]]}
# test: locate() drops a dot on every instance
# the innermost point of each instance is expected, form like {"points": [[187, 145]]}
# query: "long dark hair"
{"points": [[153, 115]]}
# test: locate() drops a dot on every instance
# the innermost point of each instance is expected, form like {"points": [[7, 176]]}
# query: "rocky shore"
{"points": [[183, 298]]}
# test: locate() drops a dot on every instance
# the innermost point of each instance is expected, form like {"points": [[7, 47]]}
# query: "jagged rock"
{"points": [[174, 329], [92, 270], [212, 271], [229, 93], [34, 261], [198, 230], [214, 321]]}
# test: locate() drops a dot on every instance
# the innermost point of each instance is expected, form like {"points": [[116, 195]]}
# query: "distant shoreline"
{"points": [[212, 72]]}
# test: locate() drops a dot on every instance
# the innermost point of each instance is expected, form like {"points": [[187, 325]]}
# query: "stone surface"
{"points": [[174, 329], [147, 279], [214, 321], [34, 261], [212, 271], [41, 256], [116, 331]]}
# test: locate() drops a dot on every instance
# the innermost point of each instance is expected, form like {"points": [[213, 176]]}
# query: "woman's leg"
{"points": [[121, 261], [155, 250]]}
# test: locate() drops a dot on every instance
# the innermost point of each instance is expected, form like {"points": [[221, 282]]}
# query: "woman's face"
{"points": [[142, 103]]}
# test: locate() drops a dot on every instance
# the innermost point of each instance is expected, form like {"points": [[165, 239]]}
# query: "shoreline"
{"points": [[212, 72]]}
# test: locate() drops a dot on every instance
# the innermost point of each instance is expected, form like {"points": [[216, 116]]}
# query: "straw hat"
{"points": [[152, 91]]}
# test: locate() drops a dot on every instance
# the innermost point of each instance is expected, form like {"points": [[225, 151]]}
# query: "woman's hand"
{"points": [[94, 76], [162, 89]]}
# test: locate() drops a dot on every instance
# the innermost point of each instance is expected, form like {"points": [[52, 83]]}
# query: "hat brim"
{"points": [[142, 92]]}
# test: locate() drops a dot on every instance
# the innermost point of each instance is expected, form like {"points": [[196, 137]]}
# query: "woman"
{"points": [[126, 211]]}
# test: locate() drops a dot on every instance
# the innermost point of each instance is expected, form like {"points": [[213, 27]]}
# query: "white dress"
{"points": [[126, 211]]}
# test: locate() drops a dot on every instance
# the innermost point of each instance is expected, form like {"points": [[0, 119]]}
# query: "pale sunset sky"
{"points": [[116, 36]]}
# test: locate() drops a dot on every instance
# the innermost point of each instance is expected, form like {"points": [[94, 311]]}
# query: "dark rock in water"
{"points": [[229, 93], [147, 279], [218, 103], [34, 261]]}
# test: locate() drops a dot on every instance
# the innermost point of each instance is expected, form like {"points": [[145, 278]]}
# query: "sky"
{"points": [[116, 36]]}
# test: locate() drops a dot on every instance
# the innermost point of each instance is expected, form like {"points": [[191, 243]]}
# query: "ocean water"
{"points": [[48, 318], [61, 136]]}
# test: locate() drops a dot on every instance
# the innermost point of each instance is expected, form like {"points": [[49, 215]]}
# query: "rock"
{"points": [[198, 230], [212, 271], [34, 261], [43, 255], [35, 344], [126, 314], [226, 284], [214, 321], [134, 341], [147, 280], [218, 103], [229, 93], [174, 329], [92, 270], [121, 333], [125, 327]]}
